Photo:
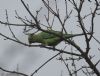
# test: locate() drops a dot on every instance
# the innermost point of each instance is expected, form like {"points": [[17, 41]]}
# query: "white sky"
{"points": [[29, 59]]}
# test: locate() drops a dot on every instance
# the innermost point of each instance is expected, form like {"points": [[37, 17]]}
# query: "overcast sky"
{"points": [[27, 58], [11, 53]]}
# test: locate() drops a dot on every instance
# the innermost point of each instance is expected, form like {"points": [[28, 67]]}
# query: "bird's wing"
{"points": [[52, 41], [45, 35]]}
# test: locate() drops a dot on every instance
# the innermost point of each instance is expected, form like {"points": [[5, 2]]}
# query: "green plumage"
{"points": [[44, 38], [49, 39]]}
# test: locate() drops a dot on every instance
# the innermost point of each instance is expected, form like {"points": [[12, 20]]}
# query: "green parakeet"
{"points": [[49, 39]]}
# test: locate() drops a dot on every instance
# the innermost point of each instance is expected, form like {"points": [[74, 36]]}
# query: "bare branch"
{"points": [[44, 64], [11, 24], [92, 20], [34, 18], [48, 7], [14, 72], [10, 27]]}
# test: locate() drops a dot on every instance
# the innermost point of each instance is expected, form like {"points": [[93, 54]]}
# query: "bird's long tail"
{"points": [[73, 35]]}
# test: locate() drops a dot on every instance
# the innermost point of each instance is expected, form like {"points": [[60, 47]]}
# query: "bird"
{"points": [[50, 39]]}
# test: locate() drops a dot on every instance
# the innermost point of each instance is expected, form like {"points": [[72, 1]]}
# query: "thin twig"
{"points": [[10, 27], [44, 64], [12, 72]]}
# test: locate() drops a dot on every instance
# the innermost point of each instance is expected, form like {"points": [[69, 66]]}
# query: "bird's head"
{"points": [[31, 38]]}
